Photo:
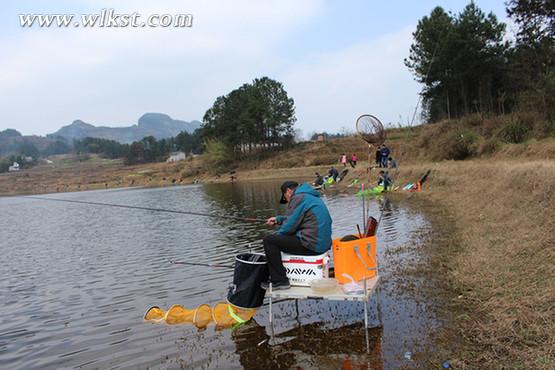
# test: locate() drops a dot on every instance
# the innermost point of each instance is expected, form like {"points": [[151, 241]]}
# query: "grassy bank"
{"points": [[497, 259], [493, 247]]}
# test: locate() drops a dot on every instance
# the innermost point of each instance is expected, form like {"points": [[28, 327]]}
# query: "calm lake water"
{"points": [[77, 279]]}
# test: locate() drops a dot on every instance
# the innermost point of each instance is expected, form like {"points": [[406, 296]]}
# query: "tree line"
{"points": [[467, 66], [256, 117], [149, 149]]}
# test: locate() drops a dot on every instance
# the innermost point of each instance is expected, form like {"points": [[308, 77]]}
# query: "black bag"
{"points": [[251, 269]]}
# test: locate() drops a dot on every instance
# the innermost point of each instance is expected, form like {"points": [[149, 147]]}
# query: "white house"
{"points": [[14, 167], [176, 156]]}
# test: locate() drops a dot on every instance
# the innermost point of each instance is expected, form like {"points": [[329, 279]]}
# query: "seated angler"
{"points": [[333, 173], [384, 180], [391, 163], [306, 230], [319, 180]]}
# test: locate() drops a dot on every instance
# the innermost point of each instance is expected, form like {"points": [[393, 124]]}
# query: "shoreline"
{"points": [[114, 175]]}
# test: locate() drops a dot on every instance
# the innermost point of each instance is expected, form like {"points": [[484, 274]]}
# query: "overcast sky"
{"points": [[337, 59]]}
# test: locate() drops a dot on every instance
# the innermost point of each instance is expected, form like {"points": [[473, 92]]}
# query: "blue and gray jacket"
{"points": [[384, 152], [308, 219]]}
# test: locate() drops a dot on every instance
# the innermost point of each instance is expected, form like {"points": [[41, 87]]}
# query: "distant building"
{"points": [[14, 167], [321, 138], [27, 159], [176, 156]]}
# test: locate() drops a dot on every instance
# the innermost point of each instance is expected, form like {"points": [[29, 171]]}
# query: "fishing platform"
{"points": [[354, 276], [371, 288]]}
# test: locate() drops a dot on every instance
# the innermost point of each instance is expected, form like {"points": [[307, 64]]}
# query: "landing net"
{"points": [[370, 129]]}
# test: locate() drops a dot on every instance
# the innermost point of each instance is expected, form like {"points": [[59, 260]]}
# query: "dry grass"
{"points": [[69, 174], [473, 136], [404, 148], [499, 262]]}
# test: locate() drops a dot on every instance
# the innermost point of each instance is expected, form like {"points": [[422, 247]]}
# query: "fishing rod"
{"points": [[200, 264], [251, 219]]}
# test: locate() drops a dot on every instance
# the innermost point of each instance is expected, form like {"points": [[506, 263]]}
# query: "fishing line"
{"points": [[252, 219], [200, 264]]}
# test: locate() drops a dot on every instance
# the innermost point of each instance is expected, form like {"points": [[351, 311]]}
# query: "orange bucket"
{"points": [[356, 258]]}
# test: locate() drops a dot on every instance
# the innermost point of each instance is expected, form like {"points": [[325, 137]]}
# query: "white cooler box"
{"points": [[301, 270]]}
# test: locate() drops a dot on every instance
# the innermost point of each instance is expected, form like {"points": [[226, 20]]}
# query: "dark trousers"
{"points": [[274, 244]]}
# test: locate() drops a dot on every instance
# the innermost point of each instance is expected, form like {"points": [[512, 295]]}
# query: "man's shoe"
{"points": [[275, 286]]}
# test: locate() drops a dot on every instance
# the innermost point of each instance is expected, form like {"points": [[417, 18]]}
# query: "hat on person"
{"points": [[287, 185]]}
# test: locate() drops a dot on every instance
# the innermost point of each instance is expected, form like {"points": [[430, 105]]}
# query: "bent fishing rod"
{"points": [[251, 219]]}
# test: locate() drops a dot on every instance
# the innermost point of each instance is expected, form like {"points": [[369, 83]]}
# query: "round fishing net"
{"points": [[202, 316], [224, 315], [155, 314], [178, 314], [370, 129]]}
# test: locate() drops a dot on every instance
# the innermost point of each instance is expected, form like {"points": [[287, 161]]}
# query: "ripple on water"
{"points": [[79, 279]]}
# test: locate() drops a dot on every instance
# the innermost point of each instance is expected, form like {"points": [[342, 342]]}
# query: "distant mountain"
{"points": [[9, 133], [12, 142], [150, 124]]}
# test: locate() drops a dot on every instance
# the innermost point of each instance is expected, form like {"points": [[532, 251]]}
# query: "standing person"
{"points": [[343, 160], [354, 159], [378, 156], [306, 230], [384, 154]]}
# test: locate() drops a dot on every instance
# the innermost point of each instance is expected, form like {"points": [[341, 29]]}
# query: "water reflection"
{"points": [[79, 279], [247, 199], [307, 346]]}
